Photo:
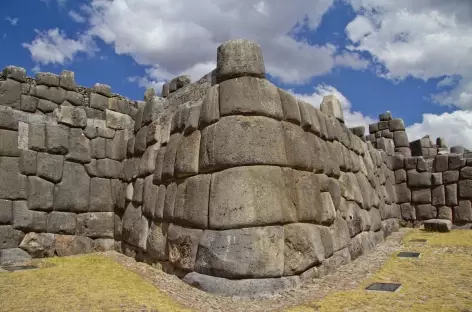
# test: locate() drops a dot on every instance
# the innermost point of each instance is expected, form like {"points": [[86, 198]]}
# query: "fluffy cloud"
{"points": [[77, 17], [455, 127], [53, 46], [422, 39], [351, 118], [12, 20]]}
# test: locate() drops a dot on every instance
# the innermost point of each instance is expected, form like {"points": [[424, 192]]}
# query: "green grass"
{"points": [[440, 280], [81, 283]]}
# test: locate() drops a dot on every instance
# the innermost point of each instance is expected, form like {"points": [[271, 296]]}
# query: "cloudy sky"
{"points": [[413, 58]]}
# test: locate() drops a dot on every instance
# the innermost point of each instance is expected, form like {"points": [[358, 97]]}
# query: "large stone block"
{"points": [[193, 210], [13, 256], [246, 196], [69, 245], [451, 195], [419, 179], [340, 232], [436, 225], [361, 244], [303, 247], [242, 140], [331, 106], [250, 96], [156, 242], [426, 212], [72, 193], [438, 196], [100, 195], [15, 73], [71, 116], [79, 147], [95, 224], [62, 222], [109, 168], [421, 196], [27, 220], [309, 118], [14, 185], [10, 93], [187, 156], [238, 58], [40, 194], [350, 188], [98, 148], [210, 112], [116, 147], [39, 245], [6, 212], [182, 245], [135, 227], [36, 137], [10, 237], [240, 253], [297, 147], [465, 189], [168, 164], [9, 143], [290, 107], [463, 212], [57, 137], [98, 101], [400, 138], [50, 167], [169, 202]]}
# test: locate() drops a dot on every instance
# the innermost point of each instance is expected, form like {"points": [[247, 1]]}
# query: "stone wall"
{"points": [[230, 182]]}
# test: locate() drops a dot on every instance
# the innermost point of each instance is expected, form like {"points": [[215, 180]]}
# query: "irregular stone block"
{"points": [[297, 147], [436, 225], [10, 93], [182, 246], [237, 58], [179, 82], [240, 253], [13, 184], [74, 98], [13, 256], [135, 227], [71, 116], [400, 139], [69, 245], [465, 189], [100, 195], [419, 178], [109, 168], [62, 222], [10, 237], [289, 106], [451, 194], [455, 161], [450, 177], [72, 193], [169, 202], [40, 194], [26, 220], [396, 124], [445, 213], [150, 193], [98, 101], [156, 242], [15, 73], [148, 162], [138, 190], [6, 212], [331, 106], [28, 103], [210, 111], [37, 137], [422, 196], [340, 232], [39, 245], [253, 195], [408, 212], [187, 155], [140, 141], [57, 139], [9, 143], [403, 193], [96, 114], [249, 95], [426, 212], [466, 173], [98, 148], [95, 224], [438, 195], [50, 167], [441, 163], [102, 89], [79, 147], [67, 80], [116, 147], [400, 176], [48, 79], [361, 244], [463, 212]]}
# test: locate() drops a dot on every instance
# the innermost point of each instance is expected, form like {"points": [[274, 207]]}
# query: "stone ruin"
{"points": [[230, 183]]}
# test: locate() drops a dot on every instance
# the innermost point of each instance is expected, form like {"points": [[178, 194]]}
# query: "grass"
{"points": [[440, 280], [81, 283]]}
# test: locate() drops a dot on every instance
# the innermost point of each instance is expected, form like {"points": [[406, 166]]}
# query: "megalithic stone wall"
{"points": [[230, 182]]}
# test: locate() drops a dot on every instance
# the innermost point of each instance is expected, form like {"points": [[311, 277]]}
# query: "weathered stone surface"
{"points": [[47, 79], [13, 256], [421, 196], [13, 184], [100, 195], [72, 193], [140, 141], [93, 113], [10, 237], [15, 73], [331, 106], [426, 212], [57, 139], [9, 143], [441, 163], [98, 148], [27, 220], [79, 147], [109, 168], [10, 93], [445, 213], [400, 176], [451, 195], [28, 103], [169, 202], [463, 212], [245, 196], [98, 101], [138, 190], [239, 253], [396, 124], [71, 116], [156, 242], [135, 227], [466, 173], [437, 225], [95, 224], [39, 245], [210, 112], [375, 220], [400, 138], [303, 247], [50, 167], [187, 156], [455, 161], [241, 287], [260, 141], [116, 147], [62, 222], [37, 137], [465, 189], [69, 245], [74, 98], [40, 194], [290, 107], [340, 232], [350, 188], [438, 196], [419, 178], [182, 245], [6, 212], [238, 58], [297, 147], [361, 244]]}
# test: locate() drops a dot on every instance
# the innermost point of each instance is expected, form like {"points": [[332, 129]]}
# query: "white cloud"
{"points": [[422, 39], [53, 47], [77, 17], [351, 118], [147, 83], [455, 127], [12, 20], [170, 35], [36, 69]]}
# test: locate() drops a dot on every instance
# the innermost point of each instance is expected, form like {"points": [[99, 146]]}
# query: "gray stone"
{"points": [[67, 80], [238, 58], [91, 168], [98, 148], [57, 139], [437, 225], [9, 143], [419, 179], [179, 82], [331, 106], [40, 194], [13, 256], [340, 232], [383, 124], [463, 212], [15, 73], [187, 155], [8, 118], [138, 190], [100, 195], [116, 147], [72, 193], [39, 245], [50, 167], [194, 211], [400, 139], [260, 252], [26, 220], [438, 195], [14, 185], [455, 161], [106, 133], [6, 212], [93, 113], [403, 193], [297, 147], [182, 246], [441, 163], [408, 212], [10, 237], [28, 103], [48, 79], [169, 201], [37, 137], [400, 176], [385, 116], [156, 242], [466, 173], [396, 124], [445, 213], [421, 196], [96, 224], [361, 244], [210, 112], [69, 245], [241, 287], [74, 98], [98, 101], [303, 247], [54, 94], [109, 168], [135, 227], [426, 212], [79, 147], [62, 222], [436, 179], [245, 196], [465, 189], [451, 194], [10, 93], [290, 107], [102, 89], [140, 141], [450, 177], [150, 193], [71, 116], [160, 203], [103, 244]]}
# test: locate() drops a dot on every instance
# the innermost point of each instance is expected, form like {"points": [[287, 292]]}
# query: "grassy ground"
{"points": [[81, 283], [440, 280]]}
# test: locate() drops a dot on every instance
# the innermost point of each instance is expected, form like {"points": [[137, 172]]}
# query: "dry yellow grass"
{"points": [[81, 283], [440, 280]]}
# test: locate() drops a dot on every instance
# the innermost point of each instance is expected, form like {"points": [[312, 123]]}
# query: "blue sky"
{"points": [[412, 58]]}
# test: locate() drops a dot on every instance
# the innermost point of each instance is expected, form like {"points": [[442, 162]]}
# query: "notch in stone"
{"points": [[389, 287], [408, 254], [418, 240]]}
